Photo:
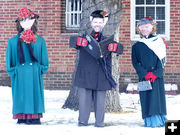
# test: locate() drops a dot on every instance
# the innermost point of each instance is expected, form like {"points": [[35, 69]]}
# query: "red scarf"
{"points": [[28, 36], [96, 34]]}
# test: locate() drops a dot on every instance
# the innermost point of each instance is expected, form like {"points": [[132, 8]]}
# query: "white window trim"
{"points": [[135, 37], [68, 25]]}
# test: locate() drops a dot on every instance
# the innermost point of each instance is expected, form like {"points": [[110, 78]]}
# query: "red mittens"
{"points": [[151, 77], [148, 76], [81, 41], [112, 47]]}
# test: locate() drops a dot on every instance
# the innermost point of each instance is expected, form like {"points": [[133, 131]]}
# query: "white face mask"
{"points": [[97, 24], [27, 23]]}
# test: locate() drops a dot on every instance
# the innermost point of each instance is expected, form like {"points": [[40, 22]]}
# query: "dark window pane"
{"points": [[160, 27], [139, 2], [76, 2], [72, 19], [75, 19], [160, 13], [72, 5], [79, 18], [150, 2], [139, 13], [136, 27], [150, 11], [79, 5], [160, 1]]}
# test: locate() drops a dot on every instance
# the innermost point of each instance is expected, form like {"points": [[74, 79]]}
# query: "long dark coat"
{"points": [[145, 60], [90, 73]]}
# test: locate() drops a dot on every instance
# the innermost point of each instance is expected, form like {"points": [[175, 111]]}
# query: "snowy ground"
{"points": [[64, 121]]}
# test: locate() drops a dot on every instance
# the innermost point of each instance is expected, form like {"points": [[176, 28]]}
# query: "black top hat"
{"points": [[99, 14]]}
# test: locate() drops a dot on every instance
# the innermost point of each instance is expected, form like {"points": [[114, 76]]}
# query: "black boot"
{"points": [[36, 121], [21, 121], [28, 121]]}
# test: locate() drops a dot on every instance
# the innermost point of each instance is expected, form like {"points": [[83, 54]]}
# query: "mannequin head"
{"points": [[26, 20], [27, 23], [146, 29], [97, 24], [98, 20], [146, 26]]}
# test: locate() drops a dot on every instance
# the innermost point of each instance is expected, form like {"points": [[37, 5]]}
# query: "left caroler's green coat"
{"points": [[27, 79]]}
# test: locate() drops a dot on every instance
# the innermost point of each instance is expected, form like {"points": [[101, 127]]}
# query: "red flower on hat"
{"points": [[149, 18], [24, 13], [28, 36], [103, 13]]}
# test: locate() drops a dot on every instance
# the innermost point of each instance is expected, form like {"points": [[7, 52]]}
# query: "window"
{"points": [[157, 9], [73, 13]]}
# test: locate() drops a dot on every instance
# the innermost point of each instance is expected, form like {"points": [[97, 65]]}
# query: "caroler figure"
{"points": [[148, 59], [26, 62], [93, 75]]}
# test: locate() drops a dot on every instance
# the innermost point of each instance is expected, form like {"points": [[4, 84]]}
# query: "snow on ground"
{"points": [[58, 121]]}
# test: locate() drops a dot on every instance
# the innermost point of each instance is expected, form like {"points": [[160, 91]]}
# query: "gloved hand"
{"points": [[112, 47], [81, 42], [148, 76], [151, 77]]}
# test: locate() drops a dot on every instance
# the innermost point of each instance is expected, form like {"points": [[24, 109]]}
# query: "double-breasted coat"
{"points": [[90, 73], [145, 60], [27, 78]]}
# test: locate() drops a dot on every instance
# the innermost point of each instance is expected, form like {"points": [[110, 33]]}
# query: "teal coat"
{"points": [[27, 79]]}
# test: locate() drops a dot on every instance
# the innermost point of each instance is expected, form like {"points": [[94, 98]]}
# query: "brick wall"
{"points": [[61, 57]]}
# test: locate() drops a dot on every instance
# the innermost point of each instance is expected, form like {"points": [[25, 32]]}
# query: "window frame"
{"points": [[134, 36], [68, 24]]}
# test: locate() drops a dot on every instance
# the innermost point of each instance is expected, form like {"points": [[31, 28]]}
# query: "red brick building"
{"points": [[56, 25]]}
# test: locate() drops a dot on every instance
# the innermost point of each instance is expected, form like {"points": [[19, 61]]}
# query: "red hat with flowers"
{"points": [[26, 13]]}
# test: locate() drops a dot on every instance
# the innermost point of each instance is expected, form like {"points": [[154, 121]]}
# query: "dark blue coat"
{"points": [[145, 60], [90, 72]]}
